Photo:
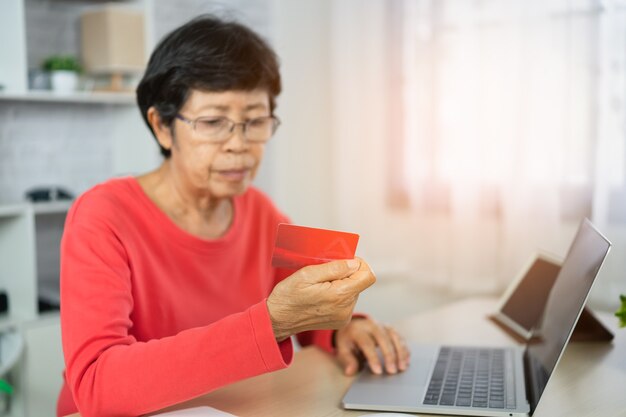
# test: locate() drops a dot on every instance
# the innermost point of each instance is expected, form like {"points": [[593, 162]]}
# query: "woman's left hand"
{"points": [[359, 341]]}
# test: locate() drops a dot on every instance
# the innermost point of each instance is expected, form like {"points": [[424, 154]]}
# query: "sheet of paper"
{"points": [[197, 412]]}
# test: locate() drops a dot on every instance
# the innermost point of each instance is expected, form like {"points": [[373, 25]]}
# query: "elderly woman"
{"points": [[166, 280]]}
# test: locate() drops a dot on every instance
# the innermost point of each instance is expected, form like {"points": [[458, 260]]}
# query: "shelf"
{"points": [[12, 210], [52, 207], [77, 97]]}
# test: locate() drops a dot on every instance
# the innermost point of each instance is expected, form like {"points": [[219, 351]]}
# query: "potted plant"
{"points": [[64, 70]]}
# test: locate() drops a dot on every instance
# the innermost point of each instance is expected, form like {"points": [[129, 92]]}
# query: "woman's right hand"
{"points": [[318, 297]]}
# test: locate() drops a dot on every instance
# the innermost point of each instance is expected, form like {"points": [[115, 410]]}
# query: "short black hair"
{"points": [[209, 54]]}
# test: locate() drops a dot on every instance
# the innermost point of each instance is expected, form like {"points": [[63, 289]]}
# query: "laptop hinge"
{"points": [[530, 381]]}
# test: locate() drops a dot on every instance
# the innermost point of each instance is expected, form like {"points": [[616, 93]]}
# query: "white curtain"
{"points": [[472, 134]]}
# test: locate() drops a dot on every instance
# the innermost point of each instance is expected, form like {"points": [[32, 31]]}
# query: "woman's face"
{"points": [[225, 169]]}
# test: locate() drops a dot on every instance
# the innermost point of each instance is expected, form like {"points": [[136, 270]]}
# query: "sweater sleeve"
{"points": [[109, 372]]}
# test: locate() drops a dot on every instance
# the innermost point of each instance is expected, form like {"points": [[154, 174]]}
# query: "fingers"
{"points": [[330, 271], [370, 337], [402, 352], [365, 277], [367, 346], [392, 347], [364, 265], [357, 282], [360, 280], [387, 348], [348, 359], [349, 276]]}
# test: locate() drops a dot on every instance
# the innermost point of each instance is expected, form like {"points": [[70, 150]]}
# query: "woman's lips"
{"points": [[234, 175]]}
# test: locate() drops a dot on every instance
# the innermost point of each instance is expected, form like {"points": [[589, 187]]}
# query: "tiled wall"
{"points": [[255, 13], [52, 28], [53, 144]]}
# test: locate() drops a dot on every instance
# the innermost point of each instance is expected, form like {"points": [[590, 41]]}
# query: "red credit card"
{"points": [[299, 246]]}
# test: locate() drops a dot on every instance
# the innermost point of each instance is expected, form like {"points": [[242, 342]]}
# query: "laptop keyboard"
{"points": [[472, 377]]}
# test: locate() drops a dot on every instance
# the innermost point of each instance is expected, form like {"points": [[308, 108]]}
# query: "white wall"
{"points": [[300, 158]]}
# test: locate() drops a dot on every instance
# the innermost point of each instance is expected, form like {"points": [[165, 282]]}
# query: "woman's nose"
{"points": [[237, 140]]}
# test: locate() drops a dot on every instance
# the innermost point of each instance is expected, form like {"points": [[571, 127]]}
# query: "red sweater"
{"points": [[151, 315]]}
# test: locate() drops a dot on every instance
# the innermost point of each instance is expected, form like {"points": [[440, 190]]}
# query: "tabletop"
{"points": [[589, 381]]}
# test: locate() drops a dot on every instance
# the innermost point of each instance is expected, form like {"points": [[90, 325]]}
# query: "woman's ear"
{"points": [[163, 133]]}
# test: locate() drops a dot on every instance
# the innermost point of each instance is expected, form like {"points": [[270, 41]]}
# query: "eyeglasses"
{"points": [[220, 129]]}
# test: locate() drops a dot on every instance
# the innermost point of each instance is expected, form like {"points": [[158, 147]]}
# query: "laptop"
{"points": [[491, 381]]}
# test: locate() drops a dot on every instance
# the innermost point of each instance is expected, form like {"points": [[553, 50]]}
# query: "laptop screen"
{"points": [[565, 303]]}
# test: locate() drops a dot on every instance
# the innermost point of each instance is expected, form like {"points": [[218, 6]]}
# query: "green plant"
{"points": [[621, 312], [6, 387], [61, 63]]}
